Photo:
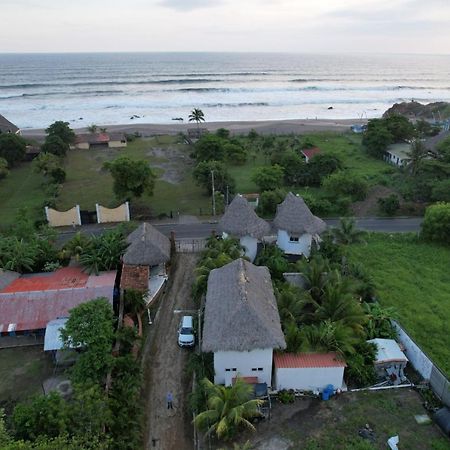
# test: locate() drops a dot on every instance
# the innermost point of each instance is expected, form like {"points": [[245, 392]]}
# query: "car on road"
{"points": [[186, 336]]}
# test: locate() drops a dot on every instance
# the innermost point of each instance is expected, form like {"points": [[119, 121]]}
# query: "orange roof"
{"points": [[307, 360], [310, 152], [248, 380]]}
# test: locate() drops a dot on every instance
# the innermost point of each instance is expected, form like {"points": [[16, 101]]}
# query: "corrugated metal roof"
{"points": [[52, 340], [307, 360], [388, 351], [310, 152]]}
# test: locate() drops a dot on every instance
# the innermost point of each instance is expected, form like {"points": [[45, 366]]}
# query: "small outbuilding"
{"points": [[98, 140], [390, 360], [309, 153], [53, 340], [308, 371], [8, 127]]}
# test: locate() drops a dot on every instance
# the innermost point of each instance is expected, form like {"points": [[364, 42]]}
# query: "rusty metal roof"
{"points": [[307, 360]]}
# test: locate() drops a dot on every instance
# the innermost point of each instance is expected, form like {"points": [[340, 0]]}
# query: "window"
{"points": [[254, 369], [234, 369], [227, 370], [293, 239], [260, 369]]}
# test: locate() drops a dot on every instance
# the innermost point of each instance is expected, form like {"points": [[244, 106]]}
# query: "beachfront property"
{"points": [[144, 262], [397, 154], [240, 221], [241, 323], [88, 141], [29, 302], [297, 227], [309, 153], [8, 127]]}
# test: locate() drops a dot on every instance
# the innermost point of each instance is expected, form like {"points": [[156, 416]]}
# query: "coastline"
{"points": [[297, 126]]}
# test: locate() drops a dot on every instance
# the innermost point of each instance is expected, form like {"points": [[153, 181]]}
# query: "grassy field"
{"points": [[413, 277], [22, 372]]}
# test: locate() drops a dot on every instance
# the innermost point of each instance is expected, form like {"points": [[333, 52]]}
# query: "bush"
{"points": [[360, 369], [268, 178], [389, 205], [441, 191], [345, 184], [436, 223], [55, 145], [286, 397], [58, 175], [4, 171], [12, 148], [269, 200]]}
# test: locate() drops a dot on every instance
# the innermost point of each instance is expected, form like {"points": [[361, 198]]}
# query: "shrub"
{"points": [[268, 178], [12, 148], [389, 205], [4, 171], [436, 223], [286, 397], [345, 184], [269, 200]]}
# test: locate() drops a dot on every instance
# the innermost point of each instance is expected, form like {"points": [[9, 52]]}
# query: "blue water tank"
{"points": [[327, 392]]}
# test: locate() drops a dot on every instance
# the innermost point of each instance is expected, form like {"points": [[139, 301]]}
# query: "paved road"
{"points": [[202, 230]]}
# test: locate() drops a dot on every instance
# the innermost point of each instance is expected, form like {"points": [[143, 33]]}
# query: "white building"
{"points": [[390, 360], [242, 324], [308, 371], [397, 154], [241, 221], [296, 226]]}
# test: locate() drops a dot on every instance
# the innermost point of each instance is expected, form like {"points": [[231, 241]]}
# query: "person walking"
{"points": [[169, 399]]}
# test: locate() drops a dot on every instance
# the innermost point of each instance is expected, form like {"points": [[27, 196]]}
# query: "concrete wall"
{"points": [[251, 246], [119, 214], [308, 379], [82, 146], [117, 144], [244, 363], [302, 247], [63, 218]]}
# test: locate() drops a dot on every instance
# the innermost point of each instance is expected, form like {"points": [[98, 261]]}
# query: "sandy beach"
{"points": [[263, 127]]}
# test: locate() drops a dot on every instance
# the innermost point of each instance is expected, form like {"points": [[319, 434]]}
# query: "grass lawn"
{"points": [[22, 372], [413, 277]]}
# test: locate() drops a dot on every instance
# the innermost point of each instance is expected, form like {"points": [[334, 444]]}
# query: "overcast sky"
{"points": [[396, 26]]}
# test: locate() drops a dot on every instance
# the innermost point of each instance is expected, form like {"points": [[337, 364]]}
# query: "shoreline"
{"points": [[281, 126]]}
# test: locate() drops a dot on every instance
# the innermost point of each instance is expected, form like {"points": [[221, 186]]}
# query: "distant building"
{"points": [[29, 302], [253, 199], [296, 226], [397, 154], [358, 129], [309, 153], [390, 360], [241, 324], [8, 127], [240, 221], [88, 141]]}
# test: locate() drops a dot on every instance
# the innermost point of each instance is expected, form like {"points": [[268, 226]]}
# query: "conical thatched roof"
{"points": [[241, 312], [294, 216], [148, 247], [241, 220]]}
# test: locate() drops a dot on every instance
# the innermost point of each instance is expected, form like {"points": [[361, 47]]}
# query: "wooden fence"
{"points": [[190, 245]]}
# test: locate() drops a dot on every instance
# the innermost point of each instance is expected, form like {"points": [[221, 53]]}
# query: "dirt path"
{"points": [[165, 363]]}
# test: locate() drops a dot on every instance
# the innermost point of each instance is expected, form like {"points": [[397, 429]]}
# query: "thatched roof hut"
{"points": [[241, 220], [241, 312], [148, 247], [294, 216], [7, 127]]}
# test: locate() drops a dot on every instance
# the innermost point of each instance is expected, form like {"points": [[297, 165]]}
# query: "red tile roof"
{"points": [[248, 380], [310, 152], [307, 360], [31, 301]]}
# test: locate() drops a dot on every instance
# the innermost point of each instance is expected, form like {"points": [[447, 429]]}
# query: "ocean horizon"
{"points": [[125, 88]]}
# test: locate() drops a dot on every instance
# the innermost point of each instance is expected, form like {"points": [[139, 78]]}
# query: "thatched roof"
{"points": [[6, 126], [241, 220], [294, 216], [241, 312], [148, 247]]}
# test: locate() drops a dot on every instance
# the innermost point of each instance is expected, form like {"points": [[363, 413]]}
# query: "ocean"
{"points": [[121, 88]]}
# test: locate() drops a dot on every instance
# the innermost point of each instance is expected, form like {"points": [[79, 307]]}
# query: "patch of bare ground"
{"points": [[369, 206], [164, 365], [173, 163]]}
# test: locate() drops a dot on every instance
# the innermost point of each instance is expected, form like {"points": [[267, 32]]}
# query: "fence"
{"points": [[190, 245], [425, 366]]}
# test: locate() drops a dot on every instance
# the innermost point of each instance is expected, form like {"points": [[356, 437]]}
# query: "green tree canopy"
{"points": [[197, 116], [268, 178], [377, 137], [210, 147], [131, 178], [55, 145], [12, 148], [62, 130], [203, 176], [436, 223], [345, 184], [4, 171]]}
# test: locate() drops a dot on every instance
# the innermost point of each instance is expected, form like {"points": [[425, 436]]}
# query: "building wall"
{"points": [[82, 146], [308, 379], [302, 247], [243, 362], [394, 159], [117, 144], [63, 218], [119, 214], [251, 246]]}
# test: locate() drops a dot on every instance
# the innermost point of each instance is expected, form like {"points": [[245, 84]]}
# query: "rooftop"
{"points": [[400, 150], [307, 360], [98, 138], [388, 351], [310, 152], [6, 126]]}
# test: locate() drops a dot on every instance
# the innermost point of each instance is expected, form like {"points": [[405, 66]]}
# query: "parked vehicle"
{"points": [[186, 336]]}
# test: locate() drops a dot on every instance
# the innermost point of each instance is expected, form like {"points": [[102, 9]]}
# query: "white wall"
{"points": [[243, 362], [302, 247], [308, 379], [251, 246]]}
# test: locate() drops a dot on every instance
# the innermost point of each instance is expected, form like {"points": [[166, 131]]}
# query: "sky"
{"points": [[380, 26]]}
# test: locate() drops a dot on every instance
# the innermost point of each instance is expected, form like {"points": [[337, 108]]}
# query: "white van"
{"points": [[186, 336]]}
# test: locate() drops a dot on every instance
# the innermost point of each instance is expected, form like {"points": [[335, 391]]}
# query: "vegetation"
{"points": [[436, 223], [203, 175], [197, 116], [61, 130], [12, 148], [4, 171], [55, 145], [269, 178]]}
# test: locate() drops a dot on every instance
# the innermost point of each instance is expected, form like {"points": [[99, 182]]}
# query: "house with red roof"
{"points": [[29, 302], [309, 153], [88, 141], [308, 371]]}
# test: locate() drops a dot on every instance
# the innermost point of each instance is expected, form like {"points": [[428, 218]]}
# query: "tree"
{"points": [[441, 191], [377, 137], [55, 145], [4, 171], [389, 205], [400, 127], [274, 259], [348, 233], [235, 153], [12, 148], [62, 130], [131, 178], [229, 409], [443, 149], [17, 254], [417, 153], [345, 184], [92, 128], [210, 148], [222, 179], [322, 165], [197, 116], [269, 200], [268, 178], [50, 166], [90, 327], [436, 223]]}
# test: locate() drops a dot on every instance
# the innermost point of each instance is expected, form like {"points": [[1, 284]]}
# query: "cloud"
{"points": [[189, 5]]}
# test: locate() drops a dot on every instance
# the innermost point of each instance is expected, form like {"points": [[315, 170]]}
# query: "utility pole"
{"points": [[226, 204], [213, 193]]}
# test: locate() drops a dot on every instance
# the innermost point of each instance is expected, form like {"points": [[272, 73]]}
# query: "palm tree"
{"points": [[347, 233], [417, 153], [315, 273], [229, 408], [92, 128], [379, 323], [196, 115], [290, 301]]}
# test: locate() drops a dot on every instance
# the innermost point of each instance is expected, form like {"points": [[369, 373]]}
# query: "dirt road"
{"points": [[165, 364]]}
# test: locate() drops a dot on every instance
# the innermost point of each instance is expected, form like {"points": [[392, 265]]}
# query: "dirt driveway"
{"points": [[165, 364]]}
